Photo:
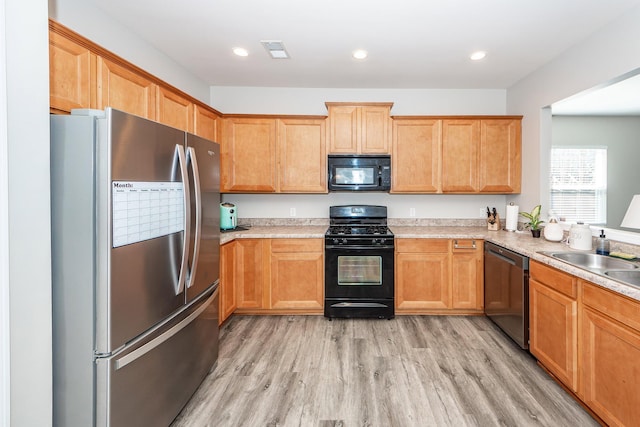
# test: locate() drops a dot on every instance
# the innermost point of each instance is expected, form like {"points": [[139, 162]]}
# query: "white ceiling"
{"points": [[411, 43]]}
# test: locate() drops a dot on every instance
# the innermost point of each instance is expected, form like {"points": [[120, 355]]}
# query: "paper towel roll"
{"points": [[511, 222]]}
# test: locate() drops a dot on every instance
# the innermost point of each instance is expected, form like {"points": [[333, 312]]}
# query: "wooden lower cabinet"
{"points": [[297, 274], [467, 274], [249, 272], [430, 277], [588, 337], [610, 355], [275, 276], [227, 302], [553, 322]]}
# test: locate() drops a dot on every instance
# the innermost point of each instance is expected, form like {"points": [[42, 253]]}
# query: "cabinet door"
{"points": [[70, 74], [343, 129], [205, 123], [374, 130], [125, 90], [460, 145], [249, 273], [228, 302], [297, 274], [416, 156], [174, 110], [422, 275], [553, 332], [248, 161], [467, 274], [302, 156], [610, 358], [500, 156]]}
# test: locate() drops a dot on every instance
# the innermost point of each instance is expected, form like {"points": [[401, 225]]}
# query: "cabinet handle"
{"points": [[456, 246]]}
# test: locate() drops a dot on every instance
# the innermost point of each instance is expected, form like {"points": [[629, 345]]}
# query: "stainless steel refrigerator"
{"points": [[135, 250]]}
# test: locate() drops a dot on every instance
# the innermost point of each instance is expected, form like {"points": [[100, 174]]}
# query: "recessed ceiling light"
{"points": [[240, 51], [476, 56], [275, 48], [360, 54]]}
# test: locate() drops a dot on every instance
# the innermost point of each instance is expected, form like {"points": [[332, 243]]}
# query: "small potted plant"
{"points": [[534, 220]]}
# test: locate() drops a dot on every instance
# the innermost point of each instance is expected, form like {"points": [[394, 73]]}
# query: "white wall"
{"points": [[27, 115], [5, 331], [253, 100], [264, 100], [86, 19], [603, 57]]}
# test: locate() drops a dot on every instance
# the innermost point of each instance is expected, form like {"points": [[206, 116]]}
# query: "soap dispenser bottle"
{"points": [[602, 244]]}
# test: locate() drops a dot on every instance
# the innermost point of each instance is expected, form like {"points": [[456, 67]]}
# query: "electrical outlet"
{"points": [[412, 212], [483, 212], [292, 212]]}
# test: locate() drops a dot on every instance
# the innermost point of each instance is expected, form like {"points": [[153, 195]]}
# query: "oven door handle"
{"points": [[359, 248]]}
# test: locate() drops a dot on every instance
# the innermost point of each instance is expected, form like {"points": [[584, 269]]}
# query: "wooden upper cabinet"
{"points": [[359, 128], [500, 156], [71, 69], [248, 162], [416, 156], [174, 110], [302, 156], [205, 123], [125, 90], [460, 147]]}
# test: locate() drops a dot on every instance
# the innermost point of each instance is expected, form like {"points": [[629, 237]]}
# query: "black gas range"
{"points": [[359, 265]]}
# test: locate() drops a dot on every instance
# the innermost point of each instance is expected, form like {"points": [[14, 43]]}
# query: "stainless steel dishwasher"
{"points": [[506, 291]]}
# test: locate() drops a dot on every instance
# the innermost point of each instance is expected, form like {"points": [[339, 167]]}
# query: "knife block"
{"points": [[493, 222]]}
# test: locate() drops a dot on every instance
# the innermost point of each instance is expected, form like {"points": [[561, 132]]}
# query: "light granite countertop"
{"points": [[521, 242]]}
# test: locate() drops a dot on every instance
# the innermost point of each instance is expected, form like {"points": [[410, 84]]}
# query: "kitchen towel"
{"points": [[511, 222]]}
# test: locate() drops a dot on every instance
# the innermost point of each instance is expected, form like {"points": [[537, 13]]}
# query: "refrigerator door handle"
{"points": [[146, 348], [181, 161], [191, 158]]}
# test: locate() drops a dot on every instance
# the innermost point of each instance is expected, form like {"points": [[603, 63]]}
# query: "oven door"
{"points": [[359, 273]]}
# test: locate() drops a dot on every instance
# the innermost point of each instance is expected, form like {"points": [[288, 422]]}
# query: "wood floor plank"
{"points": [[405, 372]]}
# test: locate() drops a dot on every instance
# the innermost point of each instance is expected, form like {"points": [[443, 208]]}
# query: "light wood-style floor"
{"points": [[408, 371]]}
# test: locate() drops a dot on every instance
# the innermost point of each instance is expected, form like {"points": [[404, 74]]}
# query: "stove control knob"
{"points": [[336, 241], [344, 241]]}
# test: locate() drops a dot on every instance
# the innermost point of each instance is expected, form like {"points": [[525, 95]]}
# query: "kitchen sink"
{"points": [[614, 268], [594, 262], [631, 277]]}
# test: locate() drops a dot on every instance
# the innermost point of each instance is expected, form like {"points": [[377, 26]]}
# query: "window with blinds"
{"points": [[579, 184]]}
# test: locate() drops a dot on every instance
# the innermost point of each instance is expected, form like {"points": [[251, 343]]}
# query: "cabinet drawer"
{"points": [[297, 245], [555, 279], [422, 245], [613, 305]]}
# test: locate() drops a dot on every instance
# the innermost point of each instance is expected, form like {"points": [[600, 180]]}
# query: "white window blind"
{"points": [[579, 184]]}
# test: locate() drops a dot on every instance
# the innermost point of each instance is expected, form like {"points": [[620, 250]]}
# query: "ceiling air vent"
{"points": [[275, 48]]}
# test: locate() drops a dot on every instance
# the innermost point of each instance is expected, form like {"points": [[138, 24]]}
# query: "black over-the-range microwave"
{"points": [[359, 172]]}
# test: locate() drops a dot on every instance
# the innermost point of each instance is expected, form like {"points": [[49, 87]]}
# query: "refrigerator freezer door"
{"points": [[204, 258], [137, 282], [149, 383]]}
